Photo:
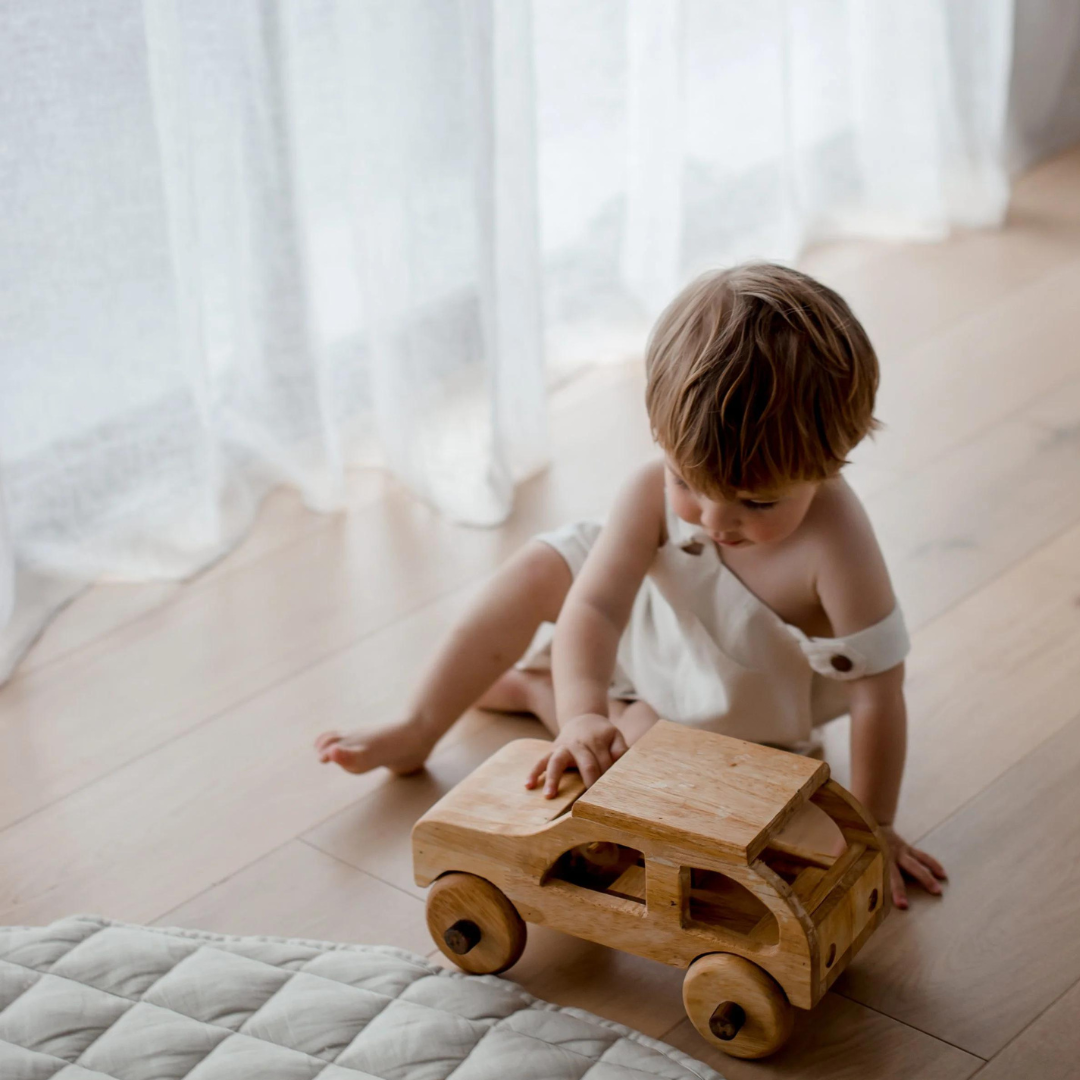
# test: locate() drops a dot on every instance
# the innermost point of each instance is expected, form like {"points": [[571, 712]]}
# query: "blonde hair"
{"points": [[758, 377]]}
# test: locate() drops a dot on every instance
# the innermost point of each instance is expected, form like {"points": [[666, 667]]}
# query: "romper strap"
{"points": [[866, 652]]}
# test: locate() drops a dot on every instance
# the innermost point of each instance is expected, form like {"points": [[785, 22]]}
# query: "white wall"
{"points": [[1044, 99]]}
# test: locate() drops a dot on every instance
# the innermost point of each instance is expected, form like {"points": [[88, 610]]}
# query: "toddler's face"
{"points": [[751, 517]]}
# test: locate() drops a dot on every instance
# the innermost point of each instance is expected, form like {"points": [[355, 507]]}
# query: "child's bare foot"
{"points": [[402, 748]]}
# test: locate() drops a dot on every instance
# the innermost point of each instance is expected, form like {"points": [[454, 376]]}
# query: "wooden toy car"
{"points": [[673, 854]]}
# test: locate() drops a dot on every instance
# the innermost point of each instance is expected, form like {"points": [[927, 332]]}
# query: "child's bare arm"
{"points": [[587, 634], [598, 605], [878, 745], [878, 741], [854, 588]]}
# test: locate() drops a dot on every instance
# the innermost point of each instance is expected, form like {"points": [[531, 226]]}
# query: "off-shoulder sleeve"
{"points": [[866, 652]]}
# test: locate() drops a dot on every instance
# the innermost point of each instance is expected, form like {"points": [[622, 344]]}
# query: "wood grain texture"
{"points": [[494, 798], [518, 864], [839, 1040], [843, 866], [285, 894], [104, 608], [489, 933], [643, 994], [701, 895], [990, 681], [982, 507], [978, 965], [907, 293], [1047, 1050], [946, 391], [372, 832], [157, 678], [732, 798], [180, 819], [720, 980]]}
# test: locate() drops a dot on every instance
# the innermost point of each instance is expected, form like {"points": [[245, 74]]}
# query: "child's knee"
{"points": [[543, 573]]}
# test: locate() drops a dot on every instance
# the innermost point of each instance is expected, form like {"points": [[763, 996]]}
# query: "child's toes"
{"points": [[351, 759], [326, 739]]}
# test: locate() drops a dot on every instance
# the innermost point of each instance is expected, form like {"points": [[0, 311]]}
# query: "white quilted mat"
{"points": [[86, 999]]}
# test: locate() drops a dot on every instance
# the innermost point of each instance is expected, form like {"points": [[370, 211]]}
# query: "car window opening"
{"points": [[717, 900], [603, 867]]}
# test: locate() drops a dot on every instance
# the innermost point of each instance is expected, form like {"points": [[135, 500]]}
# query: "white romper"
{"points": [[703, 650]]}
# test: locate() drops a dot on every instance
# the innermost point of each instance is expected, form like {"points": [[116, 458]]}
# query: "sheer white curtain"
{"points": [[678, 136], [257, 242], [247, 243]]}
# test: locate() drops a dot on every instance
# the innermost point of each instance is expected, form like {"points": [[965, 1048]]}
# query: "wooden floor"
{"points": [[155, 761]]}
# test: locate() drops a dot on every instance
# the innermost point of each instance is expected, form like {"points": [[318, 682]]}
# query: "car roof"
{"points": [[702, 791]]}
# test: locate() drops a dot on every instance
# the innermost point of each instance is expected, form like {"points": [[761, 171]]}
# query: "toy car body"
{"points": [[673, 855]]}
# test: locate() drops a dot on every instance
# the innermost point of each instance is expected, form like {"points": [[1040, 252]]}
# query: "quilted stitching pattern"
{"points": [[88, 999]]}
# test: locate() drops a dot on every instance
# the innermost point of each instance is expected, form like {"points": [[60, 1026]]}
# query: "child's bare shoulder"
{"points": [[642, 496], [837, 516], [627, 544], [851, 577], [649, 478], [636, 519]]}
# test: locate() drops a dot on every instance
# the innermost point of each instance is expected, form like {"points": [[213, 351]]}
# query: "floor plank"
{"points": [[373, 833], [978, 965], [134, 690], [1047, 193], [919, 290], [978, 372], [840, 1040], [297, 891], [137, 689], [1049, 1049], [163, 828], [990, 681], [104, 608], [642, 994], [983, 506]]}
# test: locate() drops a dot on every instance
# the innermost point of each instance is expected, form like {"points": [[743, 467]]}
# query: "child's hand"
{"points": [[919, 866], [590, 743]]}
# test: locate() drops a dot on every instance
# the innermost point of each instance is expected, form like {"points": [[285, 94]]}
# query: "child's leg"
{"points": [[532, 691], [527, 591]]}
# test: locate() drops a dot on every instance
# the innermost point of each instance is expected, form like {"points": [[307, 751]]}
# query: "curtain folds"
{"points": [[267, 241]]}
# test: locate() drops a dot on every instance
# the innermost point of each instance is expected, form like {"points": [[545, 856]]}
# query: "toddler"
{"points": [[736, 585]]}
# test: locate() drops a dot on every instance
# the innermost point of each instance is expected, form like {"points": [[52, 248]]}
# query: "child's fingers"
{"points": [[537, 771], [325, 744], [588, 765], [618, 745], [913, 868], [560, 760], [929, 860], [604, 760]]}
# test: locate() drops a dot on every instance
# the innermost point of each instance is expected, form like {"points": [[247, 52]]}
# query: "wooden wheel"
{"points": [[736, 1006], [474, 924]]}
